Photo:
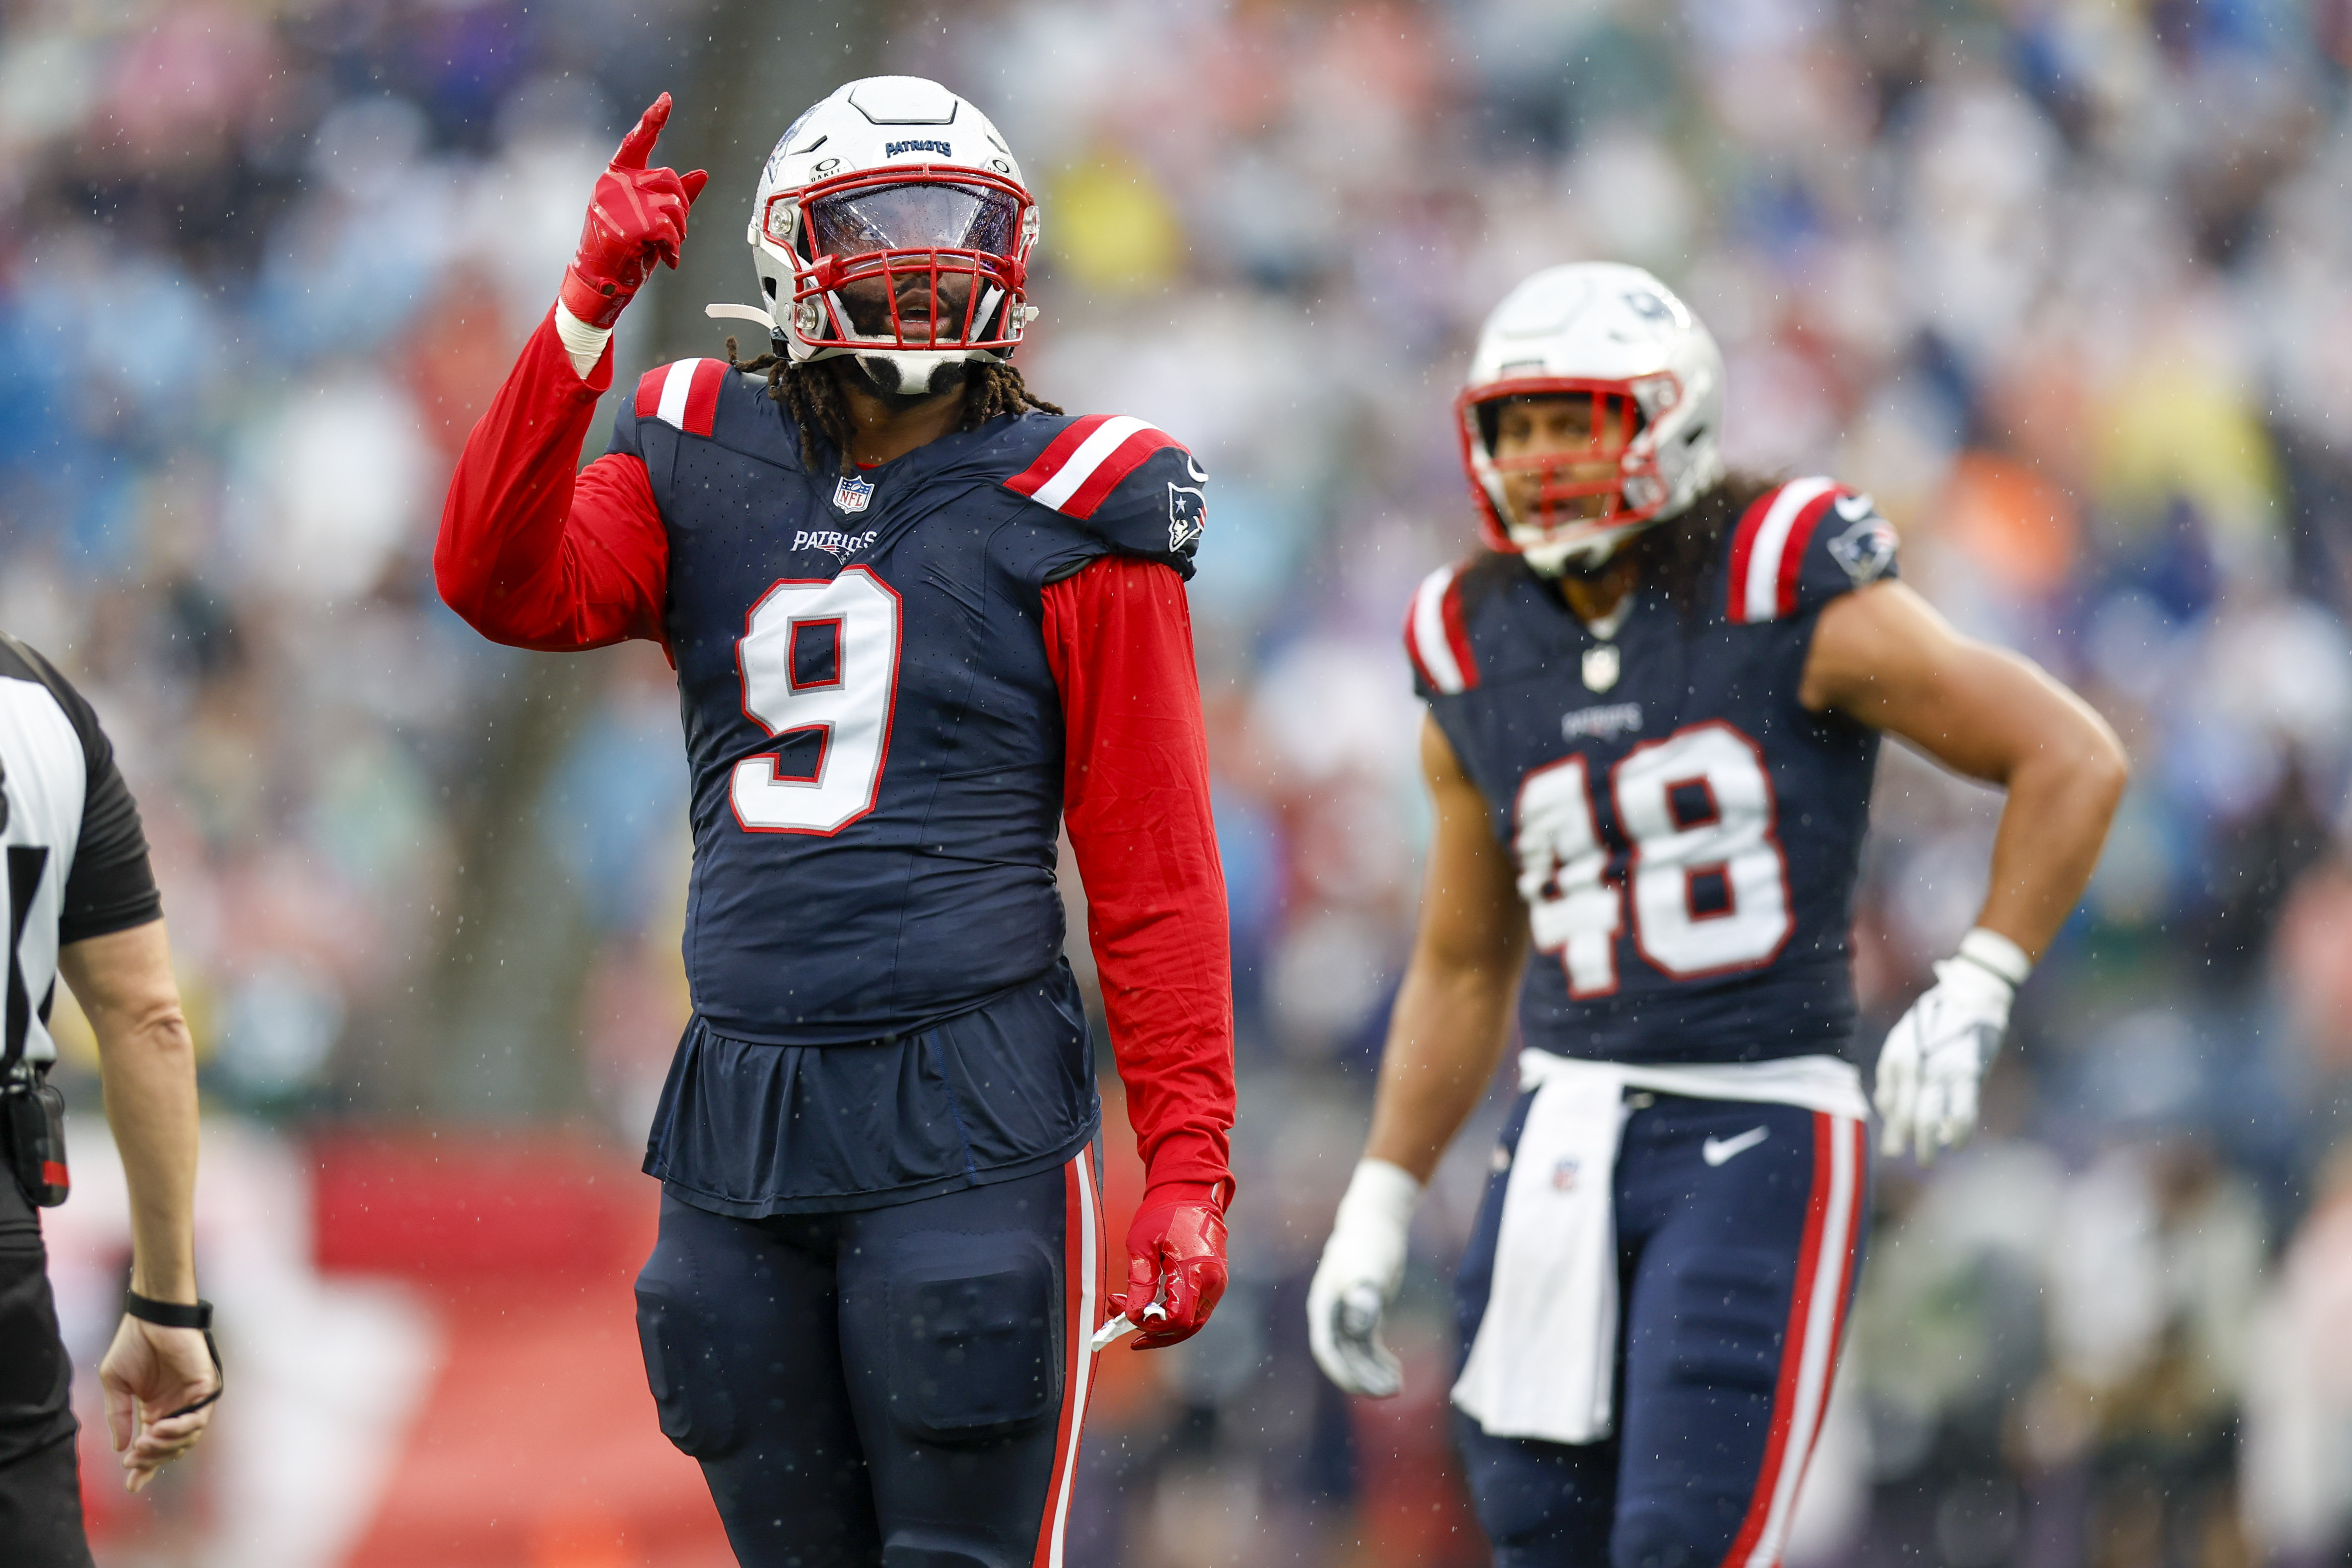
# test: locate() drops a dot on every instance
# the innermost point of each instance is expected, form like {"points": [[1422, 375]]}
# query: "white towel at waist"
{"points": [[1543, 1363]]}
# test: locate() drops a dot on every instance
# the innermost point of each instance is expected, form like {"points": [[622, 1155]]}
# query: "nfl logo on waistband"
{"points": [[1563, 1176], [851, 493]]}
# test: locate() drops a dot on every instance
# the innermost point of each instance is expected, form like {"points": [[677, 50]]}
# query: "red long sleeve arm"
{"points": [[531, 554], [1119, 634]]}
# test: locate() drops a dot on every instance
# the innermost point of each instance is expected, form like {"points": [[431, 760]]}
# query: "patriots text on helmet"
{"points": [[908, 267]]}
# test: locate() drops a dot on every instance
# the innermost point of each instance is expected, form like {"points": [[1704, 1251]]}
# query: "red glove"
{"points": [[637, 214], [1175, 1261]]}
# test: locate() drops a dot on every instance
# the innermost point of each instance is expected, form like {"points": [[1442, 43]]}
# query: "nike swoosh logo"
{"points": [[1853, 508], [1716, 1151]]}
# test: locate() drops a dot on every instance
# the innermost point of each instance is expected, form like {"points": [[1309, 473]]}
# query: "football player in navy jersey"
{"points": [[1654, 707], [922, 622]]}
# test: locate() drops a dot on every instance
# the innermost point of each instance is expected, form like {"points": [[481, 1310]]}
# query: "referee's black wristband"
{"points": [[169, 1314]]}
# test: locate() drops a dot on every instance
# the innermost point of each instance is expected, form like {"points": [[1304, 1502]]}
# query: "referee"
{"points": [[81, 902]]}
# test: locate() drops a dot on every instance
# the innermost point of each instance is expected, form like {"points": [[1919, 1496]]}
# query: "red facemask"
{"points": [[1614, 463], [907, 257]]}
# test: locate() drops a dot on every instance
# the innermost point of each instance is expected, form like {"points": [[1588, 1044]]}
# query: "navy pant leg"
{"points": [[896, 1387], [1733, 1321], [1736, 1272], [964, 1321], [739, 1324], [1542, 1505]]}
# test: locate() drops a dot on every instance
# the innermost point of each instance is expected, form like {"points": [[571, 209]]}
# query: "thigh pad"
{"points": [[685, 1369], [975, 1338]]}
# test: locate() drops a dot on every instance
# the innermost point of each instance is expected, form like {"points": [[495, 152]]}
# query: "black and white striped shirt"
{"points": [[75, 857]]}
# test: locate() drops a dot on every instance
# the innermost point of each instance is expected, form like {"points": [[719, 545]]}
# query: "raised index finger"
{"points": [[639, 141]]}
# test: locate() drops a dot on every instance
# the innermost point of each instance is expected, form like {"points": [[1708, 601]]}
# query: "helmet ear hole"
{"points": [[770, 285]]}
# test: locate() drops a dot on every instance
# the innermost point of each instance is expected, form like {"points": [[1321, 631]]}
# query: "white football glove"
{"points": [[1358, 1278], [1927, 1072]]}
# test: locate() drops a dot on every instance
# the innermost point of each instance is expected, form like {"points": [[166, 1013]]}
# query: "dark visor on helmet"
{"points": [[914, 217]]}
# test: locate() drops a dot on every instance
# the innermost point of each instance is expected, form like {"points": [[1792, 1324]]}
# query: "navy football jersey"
{"points": [[1687, 835], [875, 736]]}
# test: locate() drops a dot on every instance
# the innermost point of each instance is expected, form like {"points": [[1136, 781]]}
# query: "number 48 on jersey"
{"points": [[1709, 883]]}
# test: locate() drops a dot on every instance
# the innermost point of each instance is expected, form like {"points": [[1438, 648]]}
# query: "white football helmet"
{"points": [[1655, 376], [890, 223]]}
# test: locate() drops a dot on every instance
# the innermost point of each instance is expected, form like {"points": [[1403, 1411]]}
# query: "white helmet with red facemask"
{"points": [[1654, 377], [891, 224]]}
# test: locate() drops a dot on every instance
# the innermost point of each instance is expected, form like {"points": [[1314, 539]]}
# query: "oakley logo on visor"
{"points": [[895, 148]]}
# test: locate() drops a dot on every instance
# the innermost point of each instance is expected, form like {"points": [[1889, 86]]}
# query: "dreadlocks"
{"points": [[812, 395]]}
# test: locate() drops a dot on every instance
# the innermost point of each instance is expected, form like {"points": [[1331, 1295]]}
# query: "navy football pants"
{"points": [[899, 1386], [1734, 1278]]}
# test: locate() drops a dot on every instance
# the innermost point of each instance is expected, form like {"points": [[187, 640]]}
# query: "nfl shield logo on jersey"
{"points": [[851, 494]]}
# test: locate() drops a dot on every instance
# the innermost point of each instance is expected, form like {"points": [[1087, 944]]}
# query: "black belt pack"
{"points": [[34, 1127]]}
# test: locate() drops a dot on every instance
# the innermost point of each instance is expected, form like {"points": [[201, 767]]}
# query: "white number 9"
{"points": [[848, 701]]}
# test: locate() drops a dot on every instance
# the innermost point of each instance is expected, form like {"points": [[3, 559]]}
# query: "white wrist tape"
{"points": [[1379, 1193], [1990, 950], [584, 343]]}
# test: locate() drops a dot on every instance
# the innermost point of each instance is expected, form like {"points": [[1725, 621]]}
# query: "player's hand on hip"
{"points": [[1926, 1089], [1175, 1262], [149, 1373], [1362, 1264], [636, 217]]}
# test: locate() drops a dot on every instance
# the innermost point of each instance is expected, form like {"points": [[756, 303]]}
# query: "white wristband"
{"points": [[1990, 950], [584, 343], [1382, 1192]]}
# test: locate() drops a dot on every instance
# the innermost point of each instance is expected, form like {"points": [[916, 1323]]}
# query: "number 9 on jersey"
{"points": [[819, 657]]}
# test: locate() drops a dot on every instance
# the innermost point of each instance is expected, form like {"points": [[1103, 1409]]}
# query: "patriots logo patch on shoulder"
{"points": [[851, 494], [1187, 514], [1867, 546]]}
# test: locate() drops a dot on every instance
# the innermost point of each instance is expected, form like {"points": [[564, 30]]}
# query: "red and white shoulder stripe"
{"points": [[1767, 548], [684, 395], [1086, 462], [1435, 636]]}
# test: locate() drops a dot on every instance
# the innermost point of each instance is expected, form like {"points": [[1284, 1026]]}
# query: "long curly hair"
{"points": [[811, 395], [1676, 555]]}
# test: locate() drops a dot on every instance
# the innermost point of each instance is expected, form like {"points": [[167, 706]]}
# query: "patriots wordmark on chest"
{"points": [[840, 546], [851, 494]]}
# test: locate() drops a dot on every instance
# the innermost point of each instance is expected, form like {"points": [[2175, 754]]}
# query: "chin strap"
{"points": [[743, 313], [1584, 558]]}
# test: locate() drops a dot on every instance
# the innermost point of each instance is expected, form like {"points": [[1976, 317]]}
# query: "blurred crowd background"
{"points": [[2066, 284]]}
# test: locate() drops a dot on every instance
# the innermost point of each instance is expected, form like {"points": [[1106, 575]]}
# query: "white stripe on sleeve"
{"points": [[1760, 601], [1092, 453], [677, 382], [1429, 639]]}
